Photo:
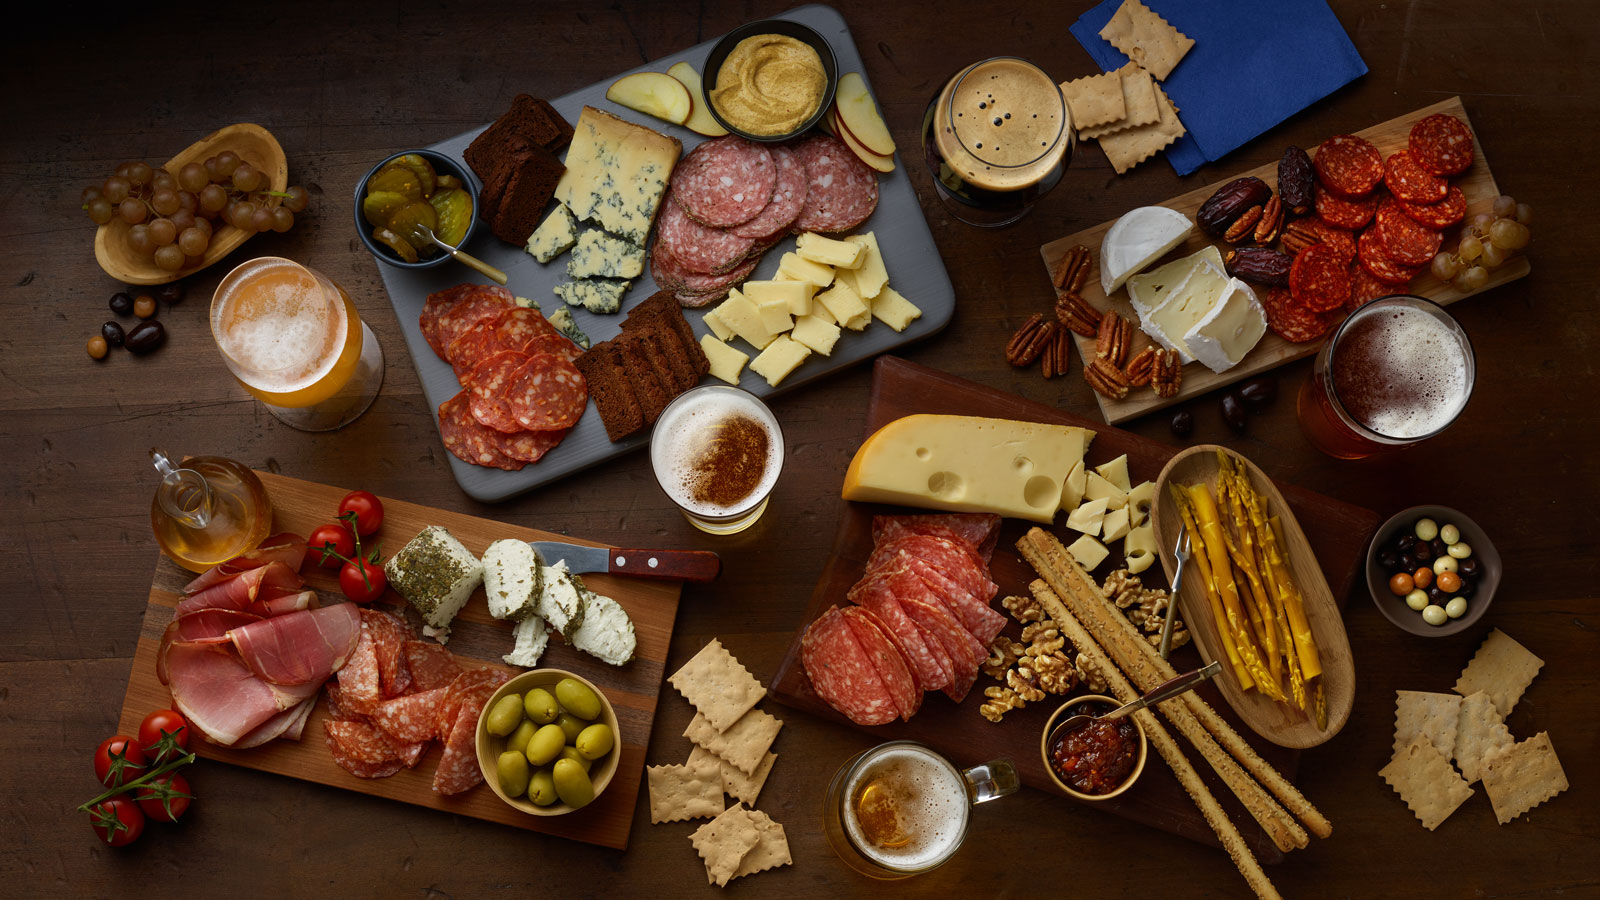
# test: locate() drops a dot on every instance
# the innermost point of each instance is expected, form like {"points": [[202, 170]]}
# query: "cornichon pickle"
{"points": [[505, 716], [540, 706], [378, 206], [518, 740], [542, 788], [546, 744], [513, 770], [406, 218], [423, 169], [454, 208], [401, 247], [449, 181], [595, 741], [578, 699], [395, 178], [572, 783]]}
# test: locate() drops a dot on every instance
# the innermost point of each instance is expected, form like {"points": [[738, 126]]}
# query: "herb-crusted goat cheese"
{"points": [[436, 575]]}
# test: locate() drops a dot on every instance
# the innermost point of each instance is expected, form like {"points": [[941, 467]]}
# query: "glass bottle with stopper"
{"points": [[208, 510]]}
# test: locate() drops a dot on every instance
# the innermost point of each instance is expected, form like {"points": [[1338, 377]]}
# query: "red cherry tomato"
{"points": [[163, 736], [339, 537], [362, 590], [163, 793], [117, 821], [118, 760], [368, 510]]}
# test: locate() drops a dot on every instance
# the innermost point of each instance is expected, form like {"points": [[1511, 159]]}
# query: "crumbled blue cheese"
{"points": [[436, 575], [562, 320], [606, 633], [525, 303], [596, 295], [599, 255], [510, 579], [555, 235], [531, 637]]}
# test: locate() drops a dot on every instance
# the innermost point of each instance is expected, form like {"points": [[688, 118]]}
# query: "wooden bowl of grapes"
{"points": [[239, 164]]}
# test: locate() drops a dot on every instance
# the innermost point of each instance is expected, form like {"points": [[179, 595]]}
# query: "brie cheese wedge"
{"points": [[1138, 239], [1148, 291], [1181, 311], [1232, 327]]}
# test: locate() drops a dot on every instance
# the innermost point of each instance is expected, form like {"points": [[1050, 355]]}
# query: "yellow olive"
{"points": [[540, 706], [546, 744], [518, 740], [571, 726], [595, 741], [573, 754], [542, 788], [513, 770], [572, 783], [505, 716], [578, 699]]}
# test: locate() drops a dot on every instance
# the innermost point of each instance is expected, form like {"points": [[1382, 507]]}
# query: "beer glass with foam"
{"points": [[716, 452]]}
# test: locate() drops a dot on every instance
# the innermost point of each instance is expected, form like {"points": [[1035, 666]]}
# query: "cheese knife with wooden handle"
{"points": [[675, 565]]}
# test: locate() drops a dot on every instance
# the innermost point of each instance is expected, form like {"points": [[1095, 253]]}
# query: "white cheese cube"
{"points": [[817, 333], [870, 276], [894, 310], [793, 267], [780, 358], [726, 362], [775, 315], [1139, 500], [795, 295], [845, 306], [1072, 488], [1115, 525], [555, 235], [829, 252], [1116, 472], [1088, 517], [1097, 488], [1139, 548], [1088, 552], [510, 579]]}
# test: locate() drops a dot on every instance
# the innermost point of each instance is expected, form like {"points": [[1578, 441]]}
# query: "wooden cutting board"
{"points": [[1338, 531], [1477, 183], [476, 639]]}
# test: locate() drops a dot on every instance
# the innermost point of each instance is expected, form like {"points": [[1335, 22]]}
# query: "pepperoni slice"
{"points": [[1364, 288], [468, 440], [725, 182], [431, 665], [1349, 165], [1404, 241], [488, 388], [1319, 279], [448, 314], [530, 446], [1369, 249], [842, 673], [787, 199], [700, 248], [519, 326], [886, 660], [1342, 213], [547, 394], [1410, 182], [1444, 214], [1293, 322], [559, 344], [1338, 238], [475, 345], [1442, 144], [841, 191]]}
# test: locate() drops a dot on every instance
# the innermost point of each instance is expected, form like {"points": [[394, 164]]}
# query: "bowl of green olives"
{"points": [[1432, 571], [548, 742]]}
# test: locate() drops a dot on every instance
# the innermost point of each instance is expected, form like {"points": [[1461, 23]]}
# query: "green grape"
{"points": [[193, 241], [139, 240], [282, 219], [1504, 206], [116, 189], [192, 177], [165, 202], [227, 161], [1445, 266], [1524, 214], [297, 199], [183, 218], [261, 219], [140, 173], [123, 169], [132, 211], [243, 215], [163, 181], [1471, 248], [247, 179], [188, 201], [163, 232], [89, 195], [101, 211], [204, 225], [170, 258], [213, 198], [210, 165]]}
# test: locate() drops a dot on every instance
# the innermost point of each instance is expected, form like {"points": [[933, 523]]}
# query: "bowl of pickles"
{"points": [[548, 742], [416, 187]]}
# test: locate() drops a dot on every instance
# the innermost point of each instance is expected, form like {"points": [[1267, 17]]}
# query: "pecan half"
{"points": [[1073, 270], [1030, 340], [1057, 354], [1106, 378], [1113, 338], [1298, 235], [1271, 223], [1076, 314], [1142, 367], [1167, 375], [1243, 225]]}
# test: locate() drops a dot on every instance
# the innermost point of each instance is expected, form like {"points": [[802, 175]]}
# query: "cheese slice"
{"points": [[775, 316], [793, 267], [816, 332], [1229, 331], [1139, 548], [726, 362], [967, 464], [742, 316], [781, 357], [1115, 526], [717, 326], [1183, 310], [1088, 517], [1148, 291], [1088, 552], [1072, 490], [845, 306], [1116, 472], [616, 174], [795, 295], [1138, 239], [554, 236], [1098, 488], [893, 310], [1139, 500], [870, 276], [829, 252]]}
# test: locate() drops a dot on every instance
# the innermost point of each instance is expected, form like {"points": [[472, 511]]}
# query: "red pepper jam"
{"points": [[1097, 757]]}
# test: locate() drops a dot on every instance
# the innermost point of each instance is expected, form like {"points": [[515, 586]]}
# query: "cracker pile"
{"points": [[1124, 110], [1468, 726], [731, 755]]}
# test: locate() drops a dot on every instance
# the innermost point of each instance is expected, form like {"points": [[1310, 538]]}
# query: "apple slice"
{"points": [[884, 164], [653, 94], [859, 113], [700, 120]]}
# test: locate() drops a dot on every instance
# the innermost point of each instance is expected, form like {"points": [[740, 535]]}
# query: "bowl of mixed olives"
{"points": [[416, 187], [548, 742], [1432, 571]]}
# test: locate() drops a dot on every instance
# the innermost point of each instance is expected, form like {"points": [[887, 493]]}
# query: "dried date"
{"points": [[1296, 178], [1230, 202], [1261, 265]]}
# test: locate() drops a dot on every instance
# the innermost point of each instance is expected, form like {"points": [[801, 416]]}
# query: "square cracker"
{"points": [[1425, 781], [692, 791], [724, 841], [1502, 668], [1146, 38], [1095, 99], [1432, 716], [1523, 776], [1480, 734], [734, 782], [770, 852], [1131, 146], [1138, 99], [743, 744], [716, 685]]}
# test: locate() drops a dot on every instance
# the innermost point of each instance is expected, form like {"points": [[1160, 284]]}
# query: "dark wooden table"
{"points": [[342, 85]]}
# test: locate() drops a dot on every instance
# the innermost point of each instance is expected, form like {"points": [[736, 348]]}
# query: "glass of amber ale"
{"points": [[716, 452], [294, 340], [1396, 372]]}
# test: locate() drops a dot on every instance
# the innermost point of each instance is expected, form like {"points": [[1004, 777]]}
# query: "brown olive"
{"points": [[144, 306], [122, 303], [1258, 393], [145, 337], [96, 347], [112, 332], [170, 293], [1233, 411], [1468, 568], [1182, 423]]}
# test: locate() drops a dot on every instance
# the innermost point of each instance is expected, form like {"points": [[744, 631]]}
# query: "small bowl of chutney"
{"points": [[1098, 760]]}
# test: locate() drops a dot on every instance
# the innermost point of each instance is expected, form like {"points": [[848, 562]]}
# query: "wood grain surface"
{"points": [[345, 85]]}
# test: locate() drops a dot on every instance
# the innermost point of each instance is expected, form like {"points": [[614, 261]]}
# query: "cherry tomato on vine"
{"points": [[343, 542], [118, 760], [165, 798], [368, 509], [359, 589], [163, 736], [117, 821]]}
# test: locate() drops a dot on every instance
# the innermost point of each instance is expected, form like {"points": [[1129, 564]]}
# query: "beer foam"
{"points": [[275, 323], [681, 435], [1401, 372], [1008, 122], [930, 797]]}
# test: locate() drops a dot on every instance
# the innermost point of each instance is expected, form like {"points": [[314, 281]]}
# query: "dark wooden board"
{"points": [[476, 639], [1338, 531]]}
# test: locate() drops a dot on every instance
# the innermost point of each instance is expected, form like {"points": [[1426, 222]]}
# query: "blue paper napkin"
{"points": [[1254, 63]]}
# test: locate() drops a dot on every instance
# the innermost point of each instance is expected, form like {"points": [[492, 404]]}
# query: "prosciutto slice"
{"points": [[209, 625], [220, 696], [284, 603], [299, 648], [292, 719], [289, 549], [239, 591]]}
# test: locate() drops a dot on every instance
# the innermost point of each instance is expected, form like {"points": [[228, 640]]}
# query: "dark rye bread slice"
{"points": [[527, 192], [661, 311], [613, 395], [669, 371], [529, 123], [652, 386]]}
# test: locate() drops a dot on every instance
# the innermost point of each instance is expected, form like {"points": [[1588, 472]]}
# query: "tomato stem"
{"points": [[124, 788]]}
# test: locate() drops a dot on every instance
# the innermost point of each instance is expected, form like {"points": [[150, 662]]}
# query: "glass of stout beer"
{"points": [[996, 138], [901, 809], [716, 452], [1396, 372]]}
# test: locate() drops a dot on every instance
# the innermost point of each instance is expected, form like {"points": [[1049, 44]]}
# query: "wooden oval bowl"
{"points": [[255, 145], [489, 747], [1279, 723]]}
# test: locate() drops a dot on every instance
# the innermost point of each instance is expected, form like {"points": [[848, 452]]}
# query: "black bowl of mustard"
{"points": [[712, 69]]}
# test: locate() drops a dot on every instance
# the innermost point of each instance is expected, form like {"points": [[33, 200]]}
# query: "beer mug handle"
{"points": [[991, 780]]}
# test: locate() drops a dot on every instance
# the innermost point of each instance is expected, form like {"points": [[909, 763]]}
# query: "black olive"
{"points": [[1422, 553], [1439, 547], [1233, 411], [1468, 568], [145, 337], [1182, 423], [170, 293], [1388, 560], [122, 303], [1468, 587], [112, 332], [1405, 542], [1258, 393], [1437, 595]]}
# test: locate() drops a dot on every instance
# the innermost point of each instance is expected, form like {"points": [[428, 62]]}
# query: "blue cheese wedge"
{"points": [[1229, 331], [1138, 239], [596, 295], [525, 303], [616, 174], [436, 575], [606, 633], [510, 579], [599, 255], [562, 320], [530, 638], [561, 600], [554, 236]]}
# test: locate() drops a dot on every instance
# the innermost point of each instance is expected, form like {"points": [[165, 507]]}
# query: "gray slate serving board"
{"points": [[912, 258]]}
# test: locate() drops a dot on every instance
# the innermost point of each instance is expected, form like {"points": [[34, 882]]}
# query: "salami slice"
{"points": [[337, 711], [886, 660], [388, 642], [1319, 279], [446, 315], [411, 718], [1349, 165], [691, 288], [1405, 241], [979, 531], [458, 767], [1410, 182], [488, 389], [431, 665], [1442, 144], [475, 345], [1340, 239], [966, 654], [976, 616], [1444, 214], [361, 742], [473, 685], [520, 326], [841, 672], [928, 661], [1369, 249], [787, 199], [952, 558], [360, 680], [359, 768], [725, 182], [841, 191], [1341, 213], [699, 247], [468, 440], [1293, 322], [547, 394], [1364, 288]]}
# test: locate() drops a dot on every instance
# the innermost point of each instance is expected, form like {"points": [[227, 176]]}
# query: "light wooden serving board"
{"points": [[1477, 183], [476, 639]]}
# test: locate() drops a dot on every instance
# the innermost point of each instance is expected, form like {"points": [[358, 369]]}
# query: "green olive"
{"points": [[513, 769], [542, 788], [573, 754], [518, 740], [505, 716], [572, 783], [546, 744], [578, 699], [540, 706], [595, 741], [571, 726]]}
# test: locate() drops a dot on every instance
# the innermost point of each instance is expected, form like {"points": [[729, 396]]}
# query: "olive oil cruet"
{"points": [[207, 511]]}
